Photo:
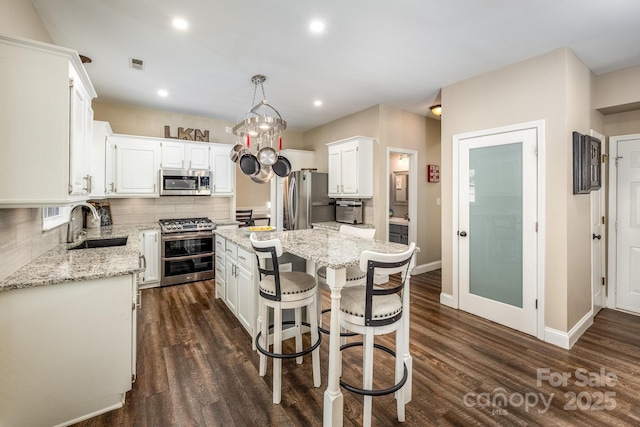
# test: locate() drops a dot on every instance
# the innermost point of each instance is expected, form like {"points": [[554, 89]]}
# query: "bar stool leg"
{"points": [[315, 354], [400, 394], [264, 336], [277, 348], [298, 326], [368, 375]]}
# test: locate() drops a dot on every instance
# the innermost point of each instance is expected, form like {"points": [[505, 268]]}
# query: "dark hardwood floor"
{"points": [[196, 368]]}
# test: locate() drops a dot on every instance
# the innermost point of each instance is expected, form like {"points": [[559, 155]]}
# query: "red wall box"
{"points": [[433, 173]]}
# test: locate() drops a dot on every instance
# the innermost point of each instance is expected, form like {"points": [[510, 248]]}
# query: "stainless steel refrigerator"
{"points": [[306, 200]]}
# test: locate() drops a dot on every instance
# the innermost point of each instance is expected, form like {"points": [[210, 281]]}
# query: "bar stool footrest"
{"points": [[377, 392], [326, 331], [287, 355]]}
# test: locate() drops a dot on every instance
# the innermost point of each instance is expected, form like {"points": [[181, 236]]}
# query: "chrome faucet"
{"points": [[71, 231]]}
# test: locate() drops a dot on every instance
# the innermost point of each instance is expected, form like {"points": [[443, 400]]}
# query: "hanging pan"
{"points": [[237, 151], [267, 155], [264, 176], [282, 166], [249, 164]]}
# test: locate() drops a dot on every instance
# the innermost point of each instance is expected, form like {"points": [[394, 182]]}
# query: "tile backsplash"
{"points": [[22, 239], [136, 211]]}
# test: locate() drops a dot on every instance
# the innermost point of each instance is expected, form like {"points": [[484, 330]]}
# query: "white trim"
{"points": [[566, 340], [603, 211], [613, 215], [539, 125], [95, 413], [425, 268], [51, 222], [413, 193], [447, 299]]}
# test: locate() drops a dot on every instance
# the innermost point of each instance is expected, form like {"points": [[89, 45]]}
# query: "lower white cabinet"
{"points": [[238, 276], [150, 253], [72, 352]]}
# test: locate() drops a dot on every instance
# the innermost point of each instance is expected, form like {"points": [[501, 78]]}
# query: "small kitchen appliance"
{"points": [[349, 211]]}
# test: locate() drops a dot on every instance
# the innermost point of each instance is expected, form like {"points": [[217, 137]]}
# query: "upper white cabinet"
{"points": [[101, 175], [185, 155], [223, 170], [351, 167], [46, 124], [135, 162]]}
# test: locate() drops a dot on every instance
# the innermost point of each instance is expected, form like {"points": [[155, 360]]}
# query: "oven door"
{"points": [[187, 258]]}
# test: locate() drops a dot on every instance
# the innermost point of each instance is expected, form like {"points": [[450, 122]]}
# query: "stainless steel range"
{"points": [[187, 250]]}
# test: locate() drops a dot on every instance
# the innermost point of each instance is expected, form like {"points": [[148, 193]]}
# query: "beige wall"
{"points": [[554, 87], [618, 88], [19, 18], [391, 127], [622, 123]]}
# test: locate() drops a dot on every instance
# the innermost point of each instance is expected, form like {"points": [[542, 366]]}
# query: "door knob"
{"points": [[597, 236], [462, 234]]}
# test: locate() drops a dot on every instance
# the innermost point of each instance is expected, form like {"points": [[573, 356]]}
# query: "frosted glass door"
{"points": [[495, 223], [497, 220]]}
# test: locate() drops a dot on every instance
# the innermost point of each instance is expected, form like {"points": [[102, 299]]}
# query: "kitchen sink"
{"points": [[101, 243]]}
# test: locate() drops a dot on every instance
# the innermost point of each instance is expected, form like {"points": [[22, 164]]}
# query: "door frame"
{"points": [[612, 258], [539, 126], [603, 206], [413, 193]]}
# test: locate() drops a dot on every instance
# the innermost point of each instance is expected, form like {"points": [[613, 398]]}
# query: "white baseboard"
{"points": [[447, 299], [566, 340], [425, 268]]}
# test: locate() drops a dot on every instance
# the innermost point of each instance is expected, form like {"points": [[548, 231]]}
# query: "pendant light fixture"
{"points": [[260, 122]]}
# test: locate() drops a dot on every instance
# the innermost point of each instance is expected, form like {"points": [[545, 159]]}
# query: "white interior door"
{"points": [[628, 225], [598, 238], [497, 228]]}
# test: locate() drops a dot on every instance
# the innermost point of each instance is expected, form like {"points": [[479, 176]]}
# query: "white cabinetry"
{"points": [[351, 167], [246, 289], [223, 170], [100, 174], [185, 155], [136, 165], [231, 279], [45, 122], [71, 353], [240, 285], [150, 252], [221, 269]]}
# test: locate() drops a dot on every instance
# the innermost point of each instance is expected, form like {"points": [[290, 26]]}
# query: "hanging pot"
{"points": [[249, 164], [264, 176], [237, 151], [282, 167], [267, 156]]}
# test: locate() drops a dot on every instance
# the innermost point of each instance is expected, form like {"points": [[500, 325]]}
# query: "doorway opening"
{"points": [[402, 194]]}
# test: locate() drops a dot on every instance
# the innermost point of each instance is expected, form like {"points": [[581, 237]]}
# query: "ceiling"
{"points": [[398, 53]]}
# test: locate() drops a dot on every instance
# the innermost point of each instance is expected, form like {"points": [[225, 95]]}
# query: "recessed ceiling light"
{"points": [[180, 23], [316, 26], [317, 103], [163, 93]]}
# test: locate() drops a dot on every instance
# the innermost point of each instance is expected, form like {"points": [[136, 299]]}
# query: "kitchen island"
{"points": [[335, 251], [68, 331]]}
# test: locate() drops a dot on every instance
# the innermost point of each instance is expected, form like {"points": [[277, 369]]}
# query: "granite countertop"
{"points": [[60, 265], [324, 246], [335, 226]]}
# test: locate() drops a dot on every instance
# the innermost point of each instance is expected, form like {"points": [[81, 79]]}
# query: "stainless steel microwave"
{"points": [[185, 182]]}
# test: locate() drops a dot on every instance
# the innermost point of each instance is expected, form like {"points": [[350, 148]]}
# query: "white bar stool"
{"points": [[371, 311], [280, 291], [355, 276]]}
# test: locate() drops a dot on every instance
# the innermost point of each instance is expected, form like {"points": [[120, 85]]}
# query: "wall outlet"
{"points": [[227, 129], [437, 201]]}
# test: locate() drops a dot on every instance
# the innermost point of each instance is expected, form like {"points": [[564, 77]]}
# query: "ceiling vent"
{"points": [[137, 64]]}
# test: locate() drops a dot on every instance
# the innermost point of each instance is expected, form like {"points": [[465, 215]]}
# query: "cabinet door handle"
{"points": [[143, 262]]}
